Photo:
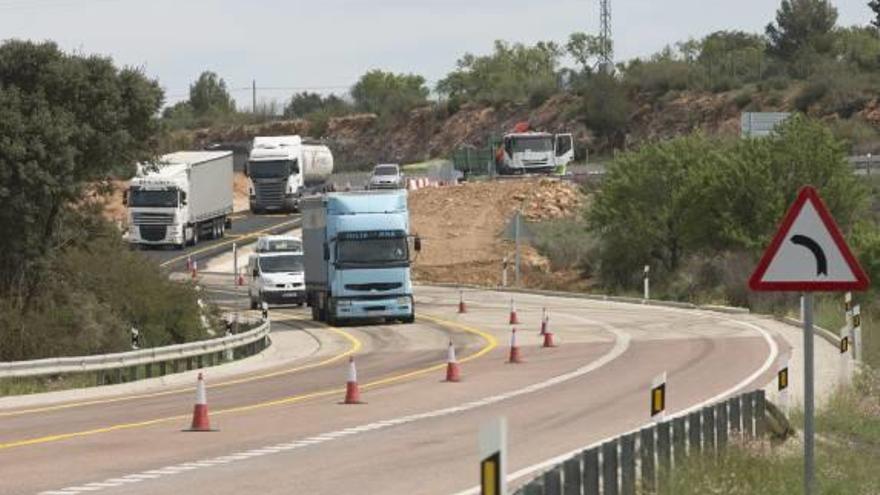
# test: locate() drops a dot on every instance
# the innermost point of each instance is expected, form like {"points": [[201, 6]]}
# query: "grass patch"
{"points": [[36, 385]]}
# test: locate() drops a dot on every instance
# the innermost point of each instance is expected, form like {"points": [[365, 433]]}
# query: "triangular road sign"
{"points": [[808, 253]]}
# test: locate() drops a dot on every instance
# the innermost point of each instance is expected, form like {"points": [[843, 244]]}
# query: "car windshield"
{"points": [[373, 251], [276, 245], [385, 171], [163, 198], [540, 144], [283, 263], [272, 169]]}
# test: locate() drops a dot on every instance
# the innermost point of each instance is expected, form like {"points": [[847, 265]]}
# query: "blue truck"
{"points": [[357, 256]]}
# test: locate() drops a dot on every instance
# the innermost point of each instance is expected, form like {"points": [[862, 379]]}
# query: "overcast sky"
{"points": [[327, 44]]}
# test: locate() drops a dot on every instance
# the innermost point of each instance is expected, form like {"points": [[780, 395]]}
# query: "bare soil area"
{"points": [[462, 229]]}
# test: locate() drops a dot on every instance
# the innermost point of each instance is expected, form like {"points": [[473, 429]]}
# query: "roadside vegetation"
{"points": [[68, 285], [803, 61]]}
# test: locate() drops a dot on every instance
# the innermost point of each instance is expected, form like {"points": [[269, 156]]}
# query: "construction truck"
{"points": [[523, 151]]}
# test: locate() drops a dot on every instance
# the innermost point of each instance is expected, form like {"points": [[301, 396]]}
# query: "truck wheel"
{"points": [[409, 319], [254, 304], [195, 235]]}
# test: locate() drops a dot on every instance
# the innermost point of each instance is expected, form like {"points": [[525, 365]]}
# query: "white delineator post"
{"points": [[782, 380], [647, 282], [857, 333], [234, 263]]}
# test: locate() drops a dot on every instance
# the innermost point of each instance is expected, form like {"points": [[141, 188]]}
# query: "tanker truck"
{"points": [[283, 169]]}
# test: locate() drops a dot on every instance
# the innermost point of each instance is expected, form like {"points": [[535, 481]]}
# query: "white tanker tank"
{"points": [[283, 169]]}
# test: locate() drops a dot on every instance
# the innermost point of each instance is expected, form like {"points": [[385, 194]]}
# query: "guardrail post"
{"points": [[679, 435], [118, 375], [748, 416], [721, 425], [609, 468], [572, 476], [695, 444], [734, 417], [760, 414], [163, 368], [199, 362], [535, 487], [132, 374], [591, 471], [646, 453], [148, 370], [709, 430], [553, 481], [628, 464], [664, 444]]}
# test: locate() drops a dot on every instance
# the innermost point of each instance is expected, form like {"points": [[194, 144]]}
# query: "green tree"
{"points": [[208, 95], [584, 49], [802, 25], [875, 7], [606, 107], [305, 103], [511, 74], [694, 195], [65, 121], [387, 93]]}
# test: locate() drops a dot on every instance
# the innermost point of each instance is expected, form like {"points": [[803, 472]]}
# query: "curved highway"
{"points": [[283, 430]]}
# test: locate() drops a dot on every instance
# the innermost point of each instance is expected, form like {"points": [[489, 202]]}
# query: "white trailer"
{"points": [[182, 198], [283, 169]]}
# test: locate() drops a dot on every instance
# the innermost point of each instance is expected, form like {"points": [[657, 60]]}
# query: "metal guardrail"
{"points": [[639, 461], [169, 358]]}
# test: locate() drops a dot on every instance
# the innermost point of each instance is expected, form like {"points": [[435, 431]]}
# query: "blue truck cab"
{"points": [[357, 256]]}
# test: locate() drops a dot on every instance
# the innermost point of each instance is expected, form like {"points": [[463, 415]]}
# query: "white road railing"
{"points": [[122, 360]]}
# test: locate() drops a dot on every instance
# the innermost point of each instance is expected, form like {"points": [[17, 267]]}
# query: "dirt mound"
{"points": [[461, 227]]}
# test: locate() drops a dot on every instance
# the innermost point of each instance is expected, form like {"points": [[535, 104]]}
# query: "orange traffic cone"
{"points": [[189, 263], [514, 357], [200, 420], [352, 392], [195, 269], [461, 307], [513, 319], [452, 371], [548, 340], [240, 279]]}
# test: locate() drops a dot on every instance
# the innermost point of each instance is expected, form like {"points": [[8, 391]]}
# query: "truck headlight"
{"points": [[403, 301]]}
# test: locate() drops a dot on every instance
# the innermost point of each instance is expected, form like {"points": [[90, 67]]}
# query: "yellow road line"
{"points": [[355, 346], [491, 343], [229, 241]]}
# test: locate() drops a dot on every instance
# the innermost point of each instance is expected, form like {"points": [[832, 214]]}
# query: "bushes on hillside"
{"points": [[697, 196]]}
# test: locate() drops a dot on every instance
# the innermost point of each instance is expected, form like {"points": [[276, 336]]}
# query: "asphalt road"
{"points": [[286, 432], [246, 227]]}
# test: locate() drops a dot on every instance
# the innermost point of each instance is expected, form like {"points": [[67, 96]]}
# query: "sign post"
{"points": [[493, 457], [808, 254], [647, 287]]}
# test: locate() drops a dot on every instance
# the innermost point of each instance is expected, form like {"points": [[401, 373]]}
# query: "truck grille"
{"points": [[153, 232], [270, 193], [375, 286], [534, 163], [141, 218]]}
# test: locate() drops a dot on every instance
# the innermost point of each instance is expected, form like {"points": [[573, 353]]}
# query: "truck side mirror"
{"points": [[417, 244], [125, 198], [326, 252], [256, 273], [182, 198]]}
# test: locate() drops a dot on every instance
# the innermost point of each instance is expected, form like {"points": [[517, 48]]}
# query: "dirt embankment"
{"points": [[462, 228]]}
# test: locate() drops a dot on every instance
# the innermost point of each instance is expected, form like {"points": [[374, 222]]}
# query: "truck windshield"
{"points": [[283, 263], [274, 169], [373, 251], [539, 144], [164, 198], [385, 171]]}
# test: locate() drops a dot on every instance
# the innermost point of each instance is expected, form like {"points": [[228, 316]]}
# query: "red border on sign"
{"points": [[808, 193]]}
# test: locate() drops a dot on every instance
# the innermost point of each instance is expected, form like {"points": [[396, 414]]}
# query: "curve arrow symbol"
{"points": [[816, 249]]}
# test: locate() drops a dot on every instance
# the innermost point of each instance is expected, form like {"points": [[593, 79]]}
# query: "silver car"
{"points": [[386, 176]]}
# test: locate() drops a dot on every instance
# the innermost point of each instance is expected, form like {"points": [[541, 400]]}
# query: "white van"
{"points": [[276, 273]]}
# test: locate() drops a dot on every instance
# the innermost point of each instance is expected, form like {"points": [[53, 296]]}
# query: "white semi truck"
{"points": [[182, 198], [283, 169]]}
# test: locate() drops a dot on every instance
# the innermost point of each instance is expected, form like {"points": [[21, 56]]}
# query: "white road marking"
{"points": [[621, 344]]}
